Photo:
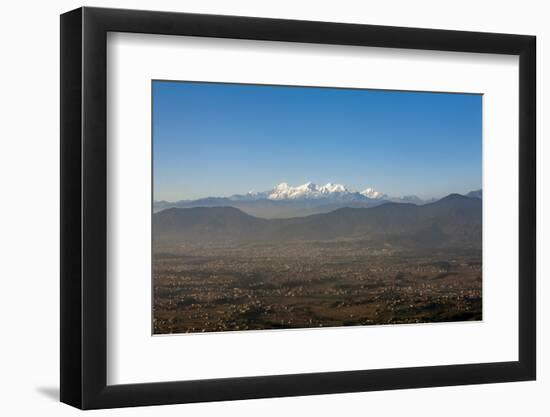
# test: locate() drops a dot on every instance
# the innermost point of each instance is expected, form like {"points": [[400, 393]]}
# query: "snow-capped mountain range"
{"points": [[285, 201], [309, 190]]}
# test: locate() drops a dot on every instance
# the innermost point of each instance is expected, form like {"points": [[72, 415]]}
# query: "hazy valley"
{"points": [[368, 261]]}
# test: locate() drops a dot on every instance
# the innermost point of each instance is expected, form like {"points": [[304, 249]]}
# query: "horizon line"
{"points": [[384, 198]]}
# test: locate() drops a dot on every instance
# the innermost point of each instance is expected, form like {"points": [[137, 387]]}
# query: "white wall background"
{"points": [[29, 211]]}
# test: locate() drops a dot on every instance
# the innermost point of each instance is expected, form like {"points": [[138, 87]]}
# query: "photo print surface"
{"points": [[282, 207]]}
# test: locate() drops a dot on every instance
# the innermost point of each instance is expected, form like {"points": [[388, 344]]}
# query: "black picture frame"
{"points": [[84, 207]]}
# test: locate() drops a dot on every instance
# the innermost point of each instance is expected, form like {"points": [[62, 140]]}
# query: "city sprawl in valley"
{"points": [[217, 268]]}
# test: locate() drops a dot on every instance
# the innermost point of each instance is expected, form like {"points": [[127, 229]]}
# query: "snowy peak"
{"points": [[310, 190], [371, 193], [282, 187], [333, 188], [283, 191]]}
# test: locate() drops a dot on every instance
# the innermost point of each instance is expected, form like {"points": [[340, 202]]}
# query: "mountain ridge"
{"points": [[321, 199], [454, 219]]}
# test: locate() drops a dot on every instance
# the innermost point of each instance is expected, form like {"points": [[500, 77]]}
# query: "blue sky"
{"points": [[216, 139]]}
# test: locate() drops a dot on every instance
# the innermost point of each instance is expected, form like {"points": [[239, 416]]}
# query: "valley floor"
{"points": [[209, 288]]}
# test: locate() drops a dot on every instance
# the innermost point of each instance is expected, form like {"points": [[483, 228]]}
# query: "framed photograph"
{"points": [[258, 208]]}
